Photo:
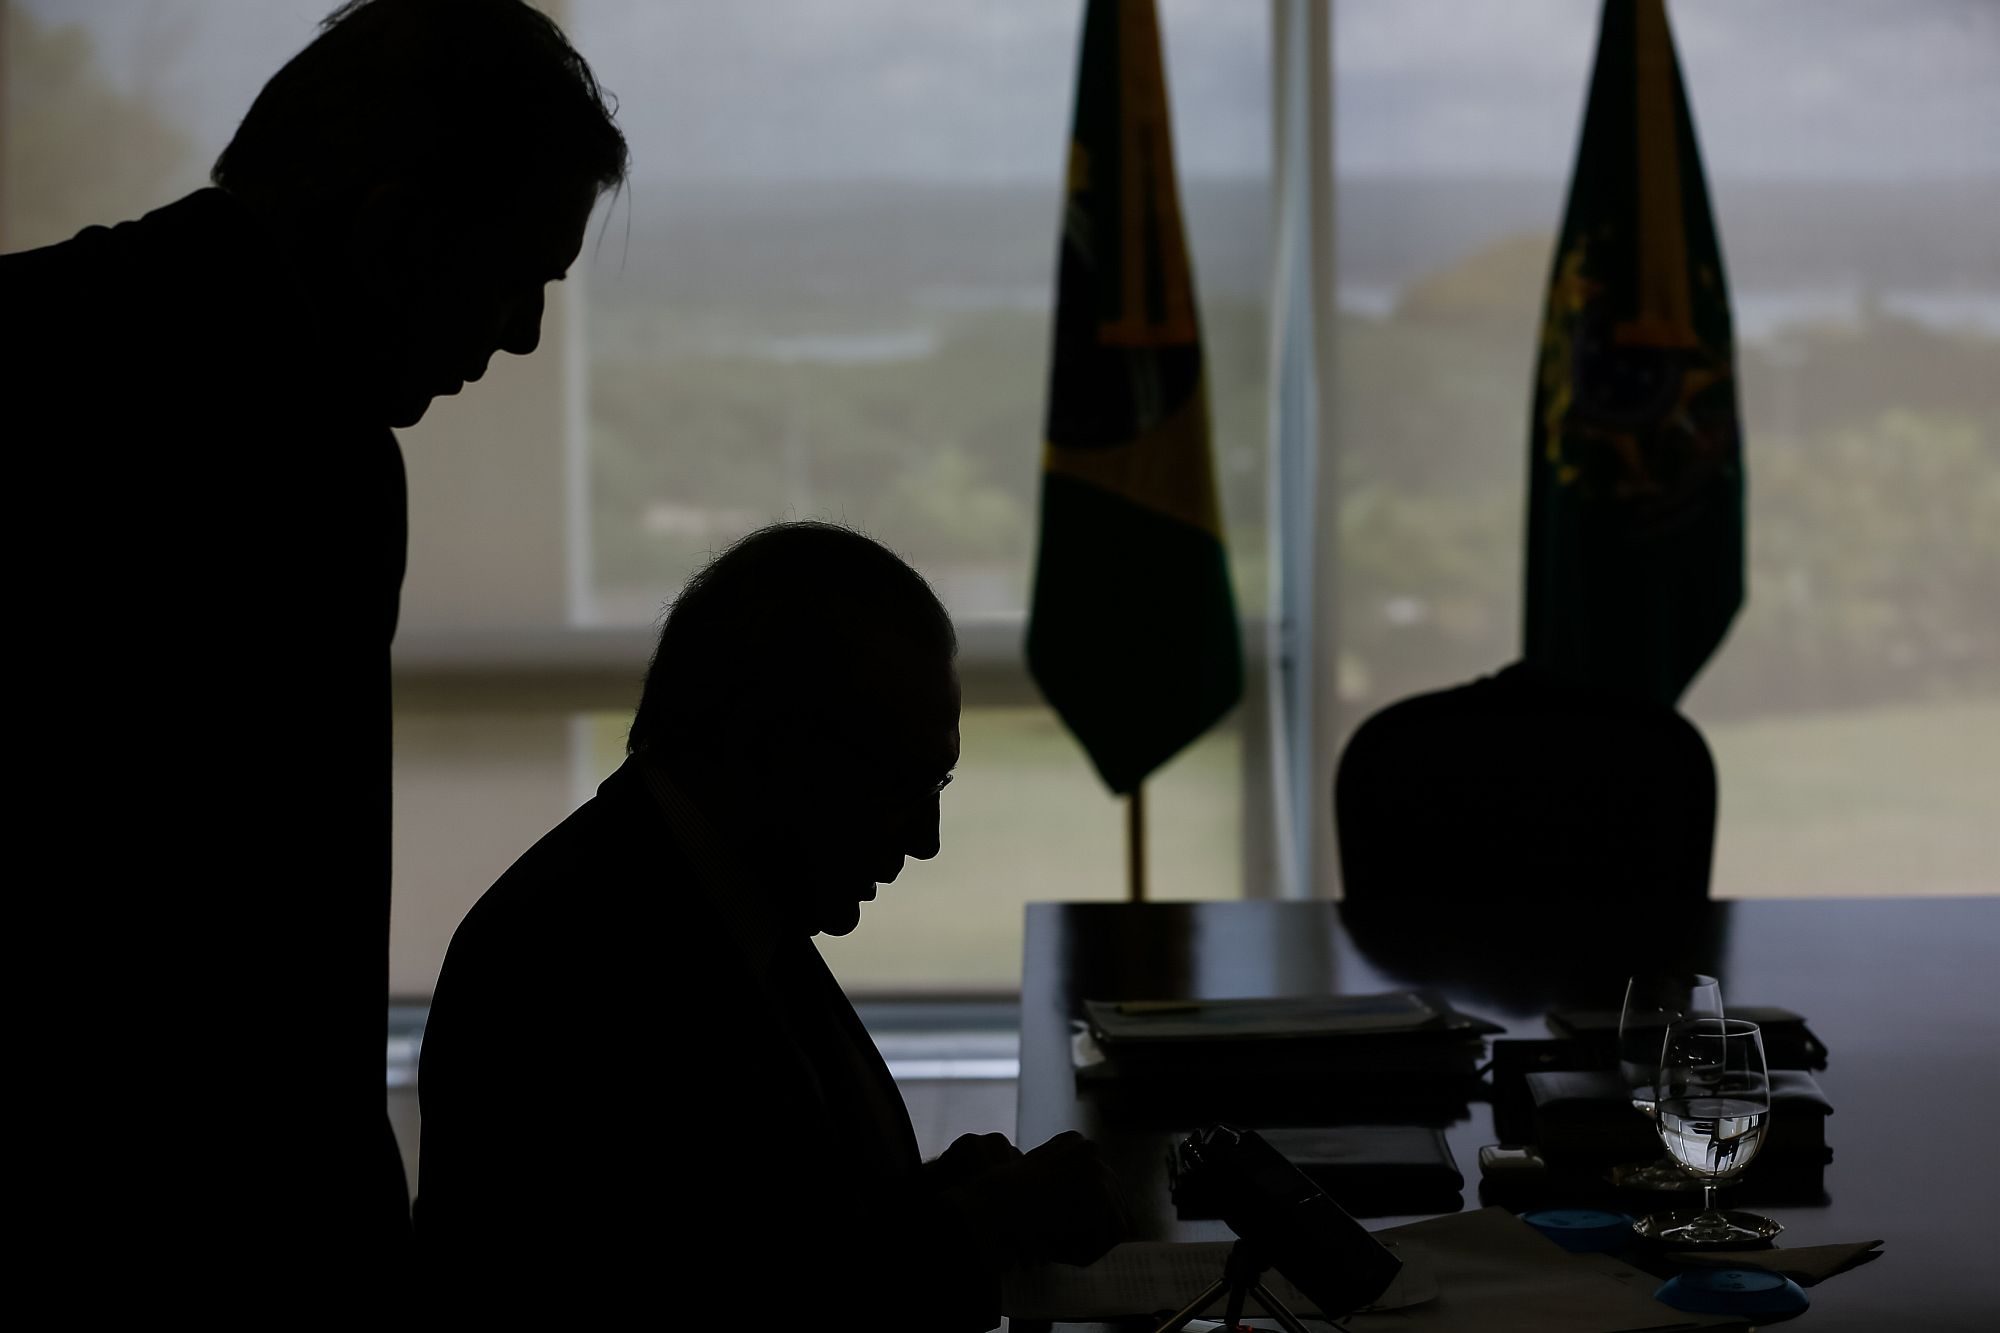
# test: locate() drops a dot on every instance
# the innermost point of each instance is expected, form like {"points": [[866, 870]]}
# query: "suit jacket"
{"points": [[637, 1089], [205, 552]]}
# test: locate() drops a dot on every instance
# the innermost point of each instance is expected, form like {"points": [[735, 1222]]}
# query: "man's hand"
{"points": [[1075, 1210], [969, 1157], [1059, 1202]]}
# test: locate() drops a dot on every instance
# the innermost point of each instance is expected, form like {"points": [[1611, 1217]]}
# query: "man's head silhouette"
{"points": [[430, 165], [804, 691]]}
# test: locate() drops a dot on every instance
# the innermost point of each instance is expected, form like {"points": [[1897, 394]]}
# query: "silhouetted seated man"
{"points": [[639, 1078], [206, 527]]}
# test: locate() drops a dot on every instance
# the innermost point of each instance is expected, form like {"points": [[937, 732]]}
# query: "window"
{"points": [[826, 294]]}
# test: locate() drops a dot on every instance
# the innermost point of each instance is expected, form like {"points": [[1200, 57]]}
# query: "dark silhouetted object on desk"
{"points": [[206, 551], [1283, 1220], [1528, 820], [640, 1081]]}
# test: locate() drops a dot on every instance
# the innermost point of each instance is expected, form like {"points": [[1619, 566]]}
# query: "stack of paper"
{"points": [[1486, 1272], [1143, 1277]]}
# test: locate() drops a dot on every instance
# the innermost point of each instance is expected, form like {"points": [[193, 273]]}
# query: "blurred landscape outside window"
{"points": [[826, 293]]}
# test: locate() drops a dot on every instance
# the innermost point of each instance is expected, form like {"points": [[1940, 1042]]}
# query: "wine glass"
{"points": [[1712, 1104], [1653, 1003]]}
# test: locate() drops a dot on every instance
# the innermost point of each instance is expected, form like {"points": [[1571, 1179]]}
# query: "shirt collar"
{"points": [[736, 895]]}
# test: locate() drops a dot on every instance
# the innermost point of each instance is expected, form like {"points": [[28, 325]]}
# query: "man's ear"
{"points": [[390, 233]]}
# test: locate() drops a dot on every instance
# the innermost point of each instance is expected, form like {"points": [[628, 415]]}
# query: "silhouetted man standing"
{"points": [[642, 1089], [207, 537]]}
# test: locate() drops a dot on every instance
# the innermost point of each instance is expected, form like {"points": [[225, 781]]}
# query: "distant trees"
{"points": [[1874, 457]]}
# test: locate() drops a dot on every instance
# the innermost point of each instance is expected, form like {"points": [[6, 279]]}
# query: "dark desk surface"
{"points": [[1905, 993]]}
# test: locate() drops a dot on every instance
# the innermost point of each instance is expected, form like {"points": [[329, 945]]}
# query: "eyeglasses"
{"points": [[902, 799], [930, 792], [877, 782]]}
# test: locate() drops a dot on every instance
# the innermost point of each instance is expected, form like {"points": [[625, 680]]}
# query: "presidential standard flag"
{"points": [[1635, 502], [1132, 635]]}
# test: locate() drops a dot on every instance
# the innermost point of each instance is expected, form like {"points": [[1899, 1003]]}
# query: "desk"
{"points": [[1905, 993]]}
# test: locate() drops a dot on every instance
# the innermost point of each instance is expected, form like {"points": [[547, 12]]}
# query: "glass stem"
{"points": [[1707, 1196]]}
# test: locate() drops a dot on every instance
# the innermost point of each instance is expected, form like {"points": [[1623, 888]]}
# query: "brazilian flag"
{"points": [[1635, 499], [1132, 635]]}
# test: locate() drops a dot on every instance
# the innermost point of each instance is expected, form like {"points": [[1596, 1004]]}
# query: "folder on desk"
{"points": [[1357, 1022], [1587, 1116], [1118, 1023], [1788, 1042], [1327, 1052], [1400, 1031], [1369, 1170]]}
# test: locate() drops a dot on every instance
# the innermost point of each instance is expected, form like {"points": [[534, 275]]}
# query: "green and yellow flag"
{"points": [[1635, 499], [1132, 635]]}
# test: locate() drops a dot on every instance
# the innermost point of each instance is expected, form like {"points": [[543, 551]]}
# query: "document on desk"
{"points": [[1481, 1272], [1141, 1277], [1495, 1274]]}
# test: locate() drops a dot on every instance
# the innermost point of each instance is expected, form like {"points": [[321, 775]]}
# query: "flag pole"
{"points": [[1135, 844]]}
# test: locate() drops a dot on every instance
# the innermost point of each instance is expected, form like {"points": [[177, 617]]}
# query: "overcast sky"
{"points": [[980, 89]]}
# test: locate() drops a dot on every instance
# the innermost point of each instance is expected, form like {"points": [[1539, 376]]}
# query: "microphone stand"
{"points": [[1242, 1277]]}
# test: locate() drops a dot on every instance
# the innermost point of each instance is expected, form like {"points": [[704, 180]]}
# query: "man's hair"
{"points": [[782, 620], [456, 96]]}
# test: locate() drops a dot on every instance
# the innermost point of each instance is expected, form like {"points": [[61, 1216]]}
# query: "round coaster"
{"points": [[1733, 1291], [1583, 1230]]}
